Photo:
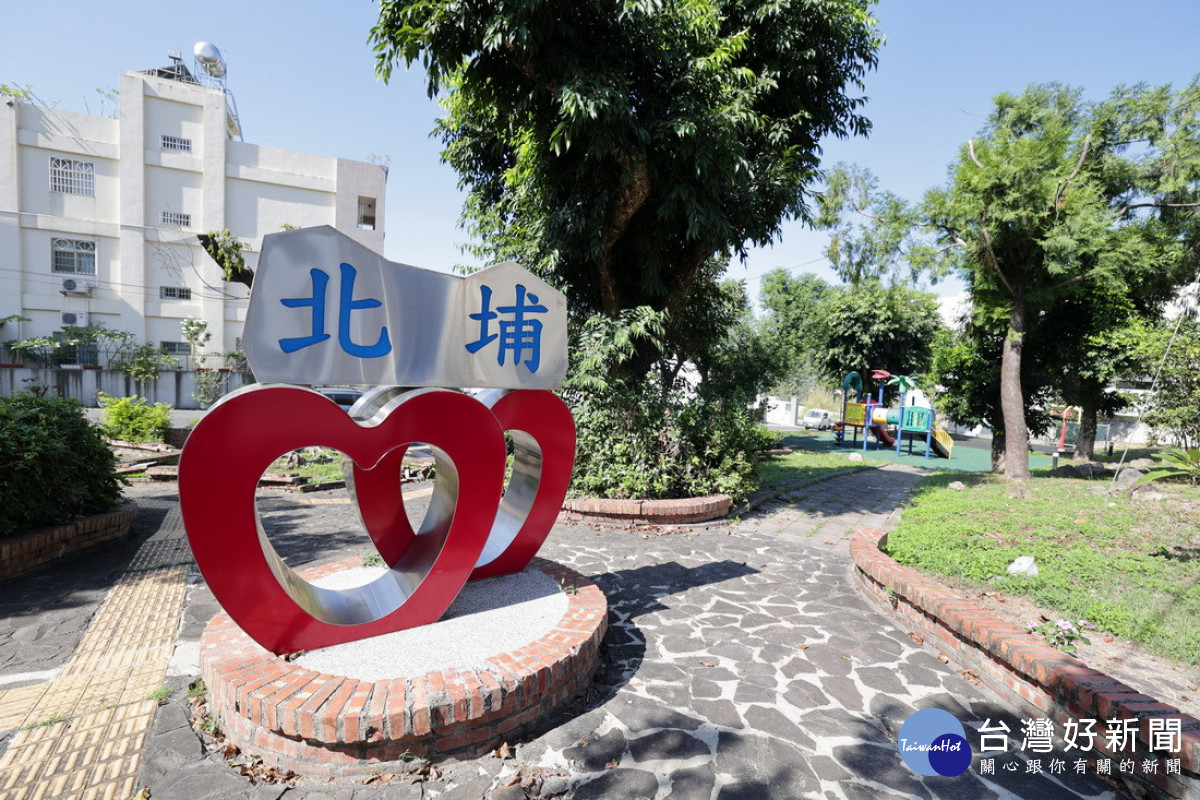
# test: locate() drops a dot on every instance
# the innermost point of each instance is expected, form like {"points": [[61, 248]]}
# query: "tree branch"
{"points": [[971, 151], [1062, 187]]}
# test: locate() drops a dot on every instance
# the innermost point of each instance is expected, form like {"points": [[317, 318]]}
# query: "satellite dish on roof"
{"points": [[209, 58]]}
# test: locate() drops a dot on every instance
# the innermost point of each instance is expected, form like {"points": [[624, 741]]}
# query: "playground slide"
{"points": [[881, 433], [943, 445]]}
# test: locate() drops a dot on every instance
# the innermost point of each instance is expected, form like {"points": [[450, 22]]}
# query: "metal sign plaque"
{"points": [[326, 310]]}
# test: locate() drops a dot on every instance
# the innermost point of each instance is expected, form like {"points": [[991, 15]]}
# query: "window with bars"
{"points": [[68, 176], [174, 293], [176, 143], [73, 256], [177, 218], [176, 348]]}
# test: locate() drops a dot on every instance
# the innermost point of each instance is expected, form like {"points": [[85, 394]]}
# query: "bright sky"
{"points": [[303, 78]]}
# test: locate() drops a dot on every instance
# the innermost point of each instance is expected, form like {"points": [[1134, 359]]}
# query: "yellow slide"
{"points": [[943, 445]]}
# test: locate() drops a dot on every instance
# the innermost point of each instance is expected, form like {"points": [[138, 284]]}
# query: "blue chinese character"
{"points": [[518, 334], [346, 304]]}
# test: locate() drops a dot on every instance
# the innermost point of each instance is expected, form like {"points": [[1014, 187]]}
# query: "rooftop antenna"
{"points": [[212, 69]]}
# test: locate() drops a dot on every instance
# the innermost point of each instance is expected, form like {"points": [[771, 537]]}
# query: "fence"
{"points": [[174, 387]]}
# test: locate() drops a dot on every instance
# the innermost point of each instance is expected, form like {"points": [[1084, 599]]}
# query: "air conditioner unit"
{"points": [[77, 318], [75, 286]]}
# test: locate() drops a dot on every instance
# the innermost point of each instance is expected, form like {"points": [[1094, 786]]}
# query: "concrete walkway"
{"points": [[741, 663]]}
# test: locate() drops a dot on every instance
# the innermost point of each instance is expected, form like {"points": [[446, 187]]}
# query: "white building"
{"points": [[99, 216]]}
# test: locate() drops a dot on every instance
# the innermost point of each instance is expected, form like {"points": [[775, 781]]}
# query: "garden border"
{"points": [[20, 554], [1022, 670], [333, 727], [646, 512]]}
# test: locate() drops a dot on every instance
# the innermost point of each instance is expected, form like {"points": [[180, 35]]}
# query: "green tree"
{"points": [[1054, 194], [615, 148], [1170, 354], [790, 319], [964, 382], [871, 326]]}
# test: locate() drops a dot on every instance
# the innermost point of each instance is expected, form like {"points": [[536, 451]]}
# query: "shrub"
{"points": [[56, 465], [649, 444], [133, 419]]}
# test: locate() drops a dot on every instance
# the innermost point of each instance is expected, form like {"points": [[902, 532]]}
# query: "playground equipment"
{"points": [[870, 414]]}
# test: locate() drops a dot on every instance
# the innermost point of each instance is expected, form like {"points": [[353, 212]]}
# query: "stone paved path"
{"points": [[741, 663]]}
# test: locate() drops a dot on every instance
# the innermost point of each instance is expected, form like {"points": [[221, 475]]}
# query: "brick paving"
{"points": [[740, 663]]}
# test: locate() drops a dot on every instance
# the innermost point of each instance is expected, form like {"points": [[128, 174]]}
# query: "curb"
{"points": [[646, 512], [1023, 671]]}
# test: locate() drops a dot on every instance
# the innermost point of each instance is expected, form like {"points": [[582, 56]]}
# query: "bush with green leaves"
{"points": [[655, 438], [56, 465], [134, 419]]}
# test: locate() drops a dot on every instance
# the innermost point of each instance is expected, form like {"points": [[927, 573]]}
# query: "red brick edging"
{"points": [[648, 512], [19, 554], [1024, 671], [331, 726]]}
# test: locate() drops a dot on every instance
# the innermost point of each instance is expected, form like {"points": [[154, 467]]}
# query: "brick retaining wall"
{"points": [[20, 554], [330, 726], [646, 512], [1022, 670]]}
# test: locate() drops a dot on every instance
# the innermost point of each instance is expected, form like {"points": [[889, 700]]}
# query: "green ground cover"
{"points": [[802, 465], [1128, 565]]}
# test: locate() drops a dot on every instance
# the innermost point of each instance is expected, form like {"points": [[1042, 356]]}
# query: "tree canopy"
{"points": [[616, 147], [1057, 194]]}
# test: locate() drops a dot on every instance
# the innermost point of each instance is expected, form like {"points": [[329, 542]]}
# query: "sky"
{"points": [[303, 77]]}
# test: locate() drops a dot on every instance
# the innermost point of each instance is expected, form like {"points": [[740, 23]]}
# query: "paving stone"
{"points": [[666, 745], [772, 721], [844, 691], [719, 712], [704, 689], [642, 714], [880, 764], [745, 790], [627, 784], [804, 695], [598, 753], [673, 694], [695, 783]]}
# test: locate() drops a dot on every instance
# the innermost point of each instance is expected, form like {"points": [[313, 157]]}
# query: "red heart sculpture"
{"points": [[543, 433], [238, 439]]}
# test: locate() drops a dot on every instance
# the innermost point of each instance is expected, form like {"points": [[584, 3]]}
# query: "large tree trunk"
{"points": [[1012, 398], [1085, 447], [997, 451]]}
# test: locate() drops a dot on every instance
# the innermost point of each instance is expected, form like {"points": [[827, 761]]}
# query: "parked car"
{"points": [[343, 397], [817, 418]]}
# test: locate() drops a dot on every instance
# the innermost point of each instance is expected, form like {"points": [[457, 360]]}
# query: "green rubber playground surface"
{"points": [[973, 455]]}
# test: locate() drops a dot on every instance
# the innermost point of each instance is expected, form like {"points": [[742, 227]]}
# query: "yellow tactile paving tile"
{"points": [[103, 690], [92, 755], [15, 705]]}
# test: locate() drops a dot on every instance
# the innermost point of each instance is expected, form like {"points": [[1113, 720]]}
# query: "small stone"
{"points": [[957, 486], [856, 457]]}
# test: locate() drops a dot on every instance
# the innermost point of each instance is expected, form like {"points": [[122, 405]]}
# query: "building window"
{"points": [[73, 256], [177, 349], [174, 293], [176, 218], [366, 213], [176, 143], [69, 176]]}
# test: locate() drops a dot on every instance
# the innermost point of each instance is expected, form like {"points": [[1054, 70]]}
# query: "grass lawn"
{"points": [[320, 464], [1130, 566], [803, 465]]}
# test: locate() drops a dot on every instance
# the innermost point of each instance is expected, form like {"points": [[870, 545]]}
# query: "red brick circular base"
{"points": [[330, 726], [647, 512]]}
